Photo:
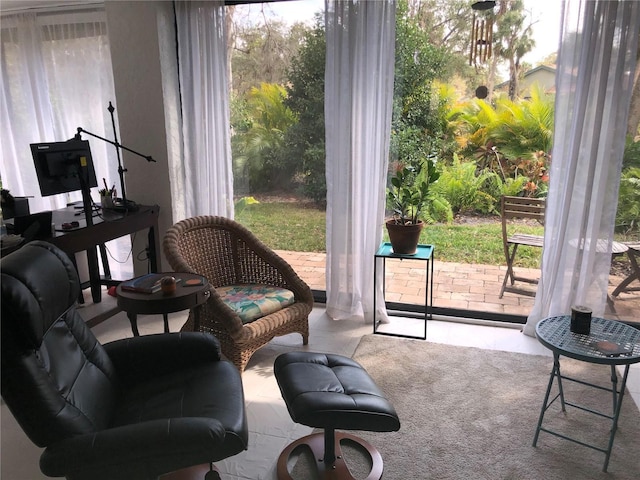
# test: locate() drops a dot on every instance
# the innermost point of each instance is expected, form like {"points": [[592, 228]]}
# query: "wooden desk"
{"points": [[109, 226]]}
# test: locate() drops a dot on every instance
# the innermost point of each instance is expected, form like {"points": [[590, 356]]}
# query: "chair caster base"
{"points": [[339, 469]]}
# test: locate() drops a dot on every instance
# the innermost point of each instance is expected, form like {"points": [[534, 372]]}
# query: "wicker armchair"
{"points": [[226, 253]]}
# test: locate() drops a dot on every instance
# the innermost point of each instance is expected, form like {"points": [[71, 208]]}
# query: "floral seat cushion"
{"points": [[253, 301]]}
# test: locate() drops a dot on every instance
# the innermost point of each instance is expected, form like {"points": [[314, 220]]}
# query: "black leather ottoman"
{"points": [[332, 392]]}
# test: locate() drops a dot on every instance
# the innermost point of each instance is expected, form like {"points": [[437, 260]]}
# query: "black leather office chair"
{"points": [[131, 409]]}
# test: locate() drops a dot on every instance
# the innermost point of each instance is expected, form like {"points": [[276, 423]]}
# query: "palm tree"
{"points": [[513, 138], [258, 148], [525, 127]]}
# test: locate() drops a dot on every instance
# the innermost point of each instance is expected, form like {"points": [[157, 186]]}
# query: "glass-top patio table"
{"points": [[608, 342]]}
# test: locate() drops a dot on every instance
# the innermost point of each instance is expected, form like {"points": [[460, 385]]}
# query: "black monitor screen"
{"points": [[61, 166]]}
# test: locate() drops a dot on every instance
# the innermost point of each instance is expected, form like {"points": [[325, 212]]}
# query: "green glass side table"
{"points": [[423, 253], [555, 334]]}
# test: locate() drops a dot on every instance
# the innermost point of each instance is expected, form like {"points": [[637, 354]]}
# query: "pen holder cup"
{"points": [[106, 201]]}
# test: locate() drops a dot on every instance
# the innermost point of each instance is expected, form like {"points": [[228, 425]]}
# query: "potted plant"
{"points": [[407, 197]]}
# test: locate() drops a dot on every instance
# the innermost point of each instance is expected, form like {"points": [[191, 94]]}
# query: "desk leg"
{"points": [[617, 406], [94, 275], [154, 248], [105, 261], [165, 317], [133, 319]]}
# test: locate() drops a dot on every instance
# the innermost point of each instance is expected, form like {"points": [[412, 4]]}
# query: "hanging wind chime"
{"points": [[481, 41], [481, 34]]}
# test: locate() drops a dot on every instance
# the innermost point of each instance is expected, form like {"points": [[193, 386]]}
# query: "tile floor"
{"points": [[270, 427]]}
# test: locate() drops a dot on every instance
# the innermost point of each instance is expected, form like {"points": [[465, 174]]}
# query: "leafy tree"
{"points": [[511, 139], [633, 121], [261, 53], [447, 23], [525, 127], [417, 127], [512, 39], [628, 214], [259, 141], [305, 140]]}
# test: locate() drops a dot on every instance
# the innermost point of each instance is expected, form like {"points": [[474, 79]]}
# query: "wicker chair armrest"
{"points": [[174, 256], [216, 307]]}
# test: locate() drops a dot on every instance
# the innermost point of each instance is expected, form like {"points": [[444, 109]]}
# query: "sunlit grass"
{"points": [[286, 226], [289, 226], [478, 243]]}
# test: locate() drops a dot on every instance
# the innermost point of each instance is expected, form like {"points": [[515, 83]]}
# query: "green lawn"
{"points": [[290, 226], [286, 226], [301, 228], [480, 243]]}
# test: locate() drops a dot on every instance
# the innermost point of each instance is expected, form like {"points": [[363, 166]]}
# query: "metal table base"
{"points": [[423, 253]]}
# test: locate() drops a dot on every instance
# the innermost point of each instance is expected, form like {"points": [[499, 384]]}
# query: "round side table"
{"points": [[608, 343], [192, 291]]}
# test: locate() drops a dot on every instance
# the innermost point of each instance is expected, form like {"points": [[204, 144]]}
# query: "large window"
{"points": [[277, 55], [56, 77], [485, 120]]}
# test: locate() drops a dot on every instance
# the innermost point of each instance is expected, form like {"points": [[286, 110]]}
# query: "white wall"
{"points": [[135, 54]]}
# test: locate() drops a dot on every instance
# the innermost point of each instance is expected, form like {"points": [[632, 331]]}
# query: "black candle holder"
{"points": [[580, 320]]}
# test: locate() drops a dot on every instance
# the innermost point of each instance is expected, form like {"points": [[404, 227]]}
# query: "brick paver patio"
{"points": [[455, 285]]}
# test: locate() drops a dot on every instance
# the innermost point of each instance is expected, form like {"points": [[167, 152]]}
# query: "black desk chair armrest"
{"points": [[115, 452]]}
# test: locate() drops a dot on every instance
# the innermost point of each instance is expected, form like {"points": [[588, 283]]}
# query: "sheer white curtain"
{"points": [[56, 77], [358, 102], [205, 184], [594, 80]]}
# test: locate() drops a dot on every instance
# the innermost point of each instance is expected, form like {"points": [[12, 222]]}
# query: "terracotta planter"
{"points": [[404, 238]]}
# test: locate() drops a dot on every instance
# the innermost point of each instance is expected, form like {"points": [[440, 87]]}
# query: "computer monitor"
{"points": [[63, 167]]}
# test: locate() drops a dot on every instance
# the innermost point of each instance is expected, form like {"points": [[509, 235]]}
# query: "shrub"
{"points": [[313, 179], [438, 210], [628, 215], [463, 189], [496, 186], [631, 156]]}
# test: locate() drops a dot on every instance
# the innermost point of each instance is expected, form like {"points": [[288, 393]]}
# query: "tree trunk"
{"points": [[633, 120], [491, 77], [513, 81]]}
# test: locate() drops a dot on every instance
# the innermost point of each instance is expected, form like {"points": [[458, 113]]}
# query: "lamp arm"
{"points": [[149, 158]]}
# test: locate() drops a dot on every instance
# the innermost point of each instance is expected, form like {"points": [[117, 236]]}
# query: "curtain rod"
{"points": [[49, 7]]}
